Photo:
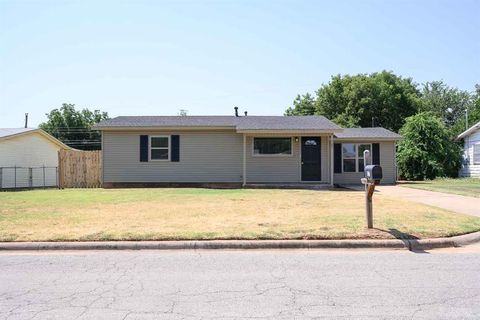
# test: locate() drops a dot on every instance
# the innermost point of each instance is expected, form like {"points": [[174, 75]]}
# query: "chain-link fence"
{"points": [[28, 177]]}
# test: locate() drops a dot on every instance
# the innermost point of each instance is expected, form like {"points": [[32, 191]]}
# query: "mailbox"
{"points": [[373, 173]]}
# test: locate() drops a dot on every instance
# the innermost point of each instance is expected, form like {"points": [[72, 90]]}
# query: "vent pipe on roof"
{"points": [[26, 120], [236, 111]]}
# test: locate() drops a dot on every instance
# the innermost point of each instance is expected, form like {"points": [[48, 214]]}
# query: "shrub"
{"points": [[427, 150]]}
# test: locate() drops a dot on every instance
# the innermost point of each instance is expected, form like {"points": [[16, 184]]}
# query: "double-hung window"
{"points": [[352, 156], [272, 146], [160, 148]]}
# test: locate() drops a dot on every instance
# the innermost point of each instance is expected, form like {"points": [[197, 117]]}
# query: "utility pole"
{"points": [[466, 118], [26, 120]]}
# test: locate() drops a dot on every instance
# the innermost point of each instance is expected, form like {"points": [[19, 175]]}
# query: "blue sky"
{"points": [[155, 57]]}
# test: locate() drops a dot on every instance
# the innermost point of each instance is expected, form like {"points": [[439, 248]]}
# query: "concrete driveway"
{"points": [[452, 202]]}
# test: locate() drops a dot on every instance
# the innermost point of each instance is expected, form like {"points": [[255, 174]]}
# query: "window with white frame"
{"points": [[160, 148], [476, 153], [352, 156], [272, 146]]}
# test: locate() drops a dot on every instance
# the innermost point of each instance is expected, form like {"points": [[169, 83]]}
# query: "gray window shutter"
{"points": [[376, 153], [337, 158], [143, 148], [175, 153]]}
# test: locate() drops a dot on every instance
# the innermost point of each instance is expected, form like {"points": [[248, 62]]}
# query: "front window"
{"points": [[159, 147], [361, 149], [349, 157], [272, 146], [352, 154]]}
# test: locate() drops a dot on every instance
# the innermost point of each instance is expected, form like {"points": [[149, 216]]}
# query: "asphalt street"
{"points": [[281, 284]]}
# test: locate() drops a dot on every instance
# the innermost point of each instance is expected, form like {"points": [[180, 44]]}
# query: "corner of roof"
{"points": [[467, 132]]}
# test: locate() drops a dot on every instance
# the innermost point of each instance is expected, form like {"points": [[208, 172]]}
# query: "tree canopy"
{"points": [[427, 150], [474, 110], [429, 116], [73, 127], [303, 105], [447, 103], [378, 99]]}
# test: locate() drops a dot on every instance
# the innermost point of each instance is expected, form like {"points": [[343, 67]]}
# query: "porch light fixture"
{"points": [[296, 139]]}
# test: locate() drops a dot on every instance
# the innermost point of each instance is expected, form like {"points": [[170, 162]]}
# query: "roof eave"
{"points": [[368, 139], [40, 131], [291, 131], [467, 132]]}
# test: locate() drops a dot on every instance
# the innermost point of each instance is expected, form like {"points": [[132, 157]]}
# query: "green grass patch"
{"points": [[462, 186], [174, 214]]}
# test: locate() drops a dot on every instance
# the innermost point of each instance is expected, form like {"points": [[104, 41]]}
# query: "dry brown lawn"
{"points": [[166, 214]]}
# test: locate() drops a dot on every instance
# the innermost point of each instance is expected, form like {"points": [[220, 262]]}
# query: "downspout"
{"points": [[103, 158], [395, 159], [244, 175], [331, 160]]}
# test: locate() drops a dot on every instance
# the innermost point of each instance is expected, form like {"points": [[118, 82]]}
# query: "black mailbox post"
{"points": [[373, 176]]}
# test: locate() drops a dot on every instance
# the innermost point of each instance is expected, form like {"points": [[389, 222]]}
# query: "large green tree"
{"points": [[303, 105], [447, 103], [427, 150], [73, 127], [378, 99], [473, 110]]}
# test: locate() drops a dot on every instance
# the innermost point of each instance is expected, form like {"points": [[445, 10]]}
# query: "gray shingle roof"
{"points": [[371, 133], [285, 123], [168, 121], [240, 123], [5, 132]]}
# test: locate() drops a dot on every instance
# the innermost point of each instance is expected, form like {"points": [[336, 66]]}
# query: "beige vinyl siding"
{"points": [[387, 162], [204, 157], [469, 168], [281, 169], [28, 150]]}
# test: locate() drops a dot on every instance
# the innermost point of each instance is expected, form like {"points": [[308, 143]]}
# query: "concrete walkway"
{"points": [[452, 202]]}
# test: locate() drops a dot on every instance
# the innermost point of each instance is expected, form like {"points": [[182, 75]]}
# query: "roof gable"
{"points": [[10, 133], [5, 132], [469, 131]]}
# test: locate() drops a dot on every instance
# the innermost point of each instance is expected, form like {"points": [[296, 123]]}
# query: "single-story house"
{"points": [[471, 152], [239, 150], [27, 155]]}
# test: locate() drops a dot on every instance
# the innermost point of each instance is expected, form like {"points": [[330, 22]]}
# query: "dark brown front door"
{"points": [[311, 164]]}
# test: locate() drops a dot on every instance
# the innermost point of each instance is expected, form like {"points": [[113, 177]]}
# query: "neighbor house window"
{"points": [[352, 155], [476, 153], [159, 147], [272, 146]]}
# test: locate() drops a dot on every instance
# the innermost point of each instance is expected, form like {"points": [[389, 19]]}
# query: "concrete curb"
{"points": [[414, 245]]}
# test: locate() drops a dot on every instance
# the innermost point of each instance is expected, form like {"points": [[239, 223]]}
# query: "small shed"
{"points": [[28, 158], [471, 152]]}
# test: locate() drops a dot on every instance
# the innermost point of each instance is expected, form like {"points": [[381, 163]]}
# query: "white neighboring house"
{"points": [[471, 152], [25, 148]]}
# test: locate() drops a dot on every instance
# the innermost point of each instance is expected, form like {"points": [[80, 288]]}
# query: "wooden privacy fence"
{"points": [[79, 169]]}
